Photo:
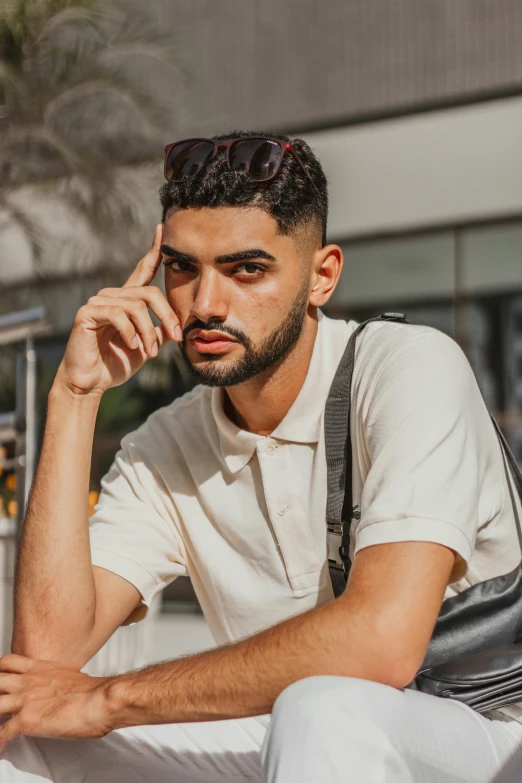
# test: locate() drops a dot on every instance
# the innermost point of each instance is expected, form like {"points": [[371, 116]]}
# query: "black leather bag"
{"points": [[475, 653]]}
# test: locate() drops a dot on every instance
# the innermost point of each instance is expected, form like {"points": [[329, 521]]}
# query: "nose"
{"points": [[209, 300]]}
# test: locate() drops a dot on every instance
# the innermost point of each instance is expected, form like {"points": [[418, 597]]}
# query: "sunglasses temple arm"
{"points": [[309, 178]]}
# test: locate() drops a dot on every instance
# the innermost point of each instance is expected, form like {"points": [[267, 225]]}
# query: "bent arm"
{"points": [[57, 616], [379, 629]]}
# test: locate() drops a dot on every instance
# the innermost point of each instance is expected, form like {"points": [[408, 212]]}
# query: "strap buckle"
{"points": [[393, 317], [343, 552], [333, 538], [338, 555]]}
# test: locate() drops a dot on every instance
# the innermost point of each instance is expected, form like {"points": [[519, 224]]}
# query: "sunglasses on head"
{"points": [[259, 156]]}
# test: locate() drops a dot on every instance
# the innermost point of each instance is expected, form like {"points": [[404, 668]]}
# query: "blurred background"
{"points": [[414, 107]]}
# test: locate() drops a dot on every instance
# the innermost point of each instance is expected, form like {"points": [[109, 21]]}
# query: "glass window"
{"points": [[400, 269], [491, 260]]}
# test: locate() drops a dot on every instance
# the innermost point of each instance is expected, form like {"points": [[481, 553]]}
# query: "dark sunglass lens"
{"points": [[186, 159], [260, 157]]}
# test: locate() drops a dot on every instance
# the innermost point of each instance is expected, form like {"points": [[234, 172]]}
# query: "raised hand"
{"points": [[113, 334]]}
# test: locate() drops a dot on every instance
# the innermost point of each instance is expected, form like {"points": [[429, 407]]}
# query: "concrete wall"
{"points": [[300, 63], [446, 167]]}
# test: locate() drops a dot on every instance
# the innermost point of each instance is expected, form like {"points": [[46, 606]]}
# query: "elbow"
{"points": [[399, 664], [393, 664], [18, 648], [398, 674], [41, 652], [47, 647], [395, 668], [24, 644], [33, 646]]}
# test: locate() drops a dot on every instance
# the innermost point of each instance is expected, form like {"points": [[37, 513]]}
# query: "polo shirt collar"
{"points": [[303, 422]]}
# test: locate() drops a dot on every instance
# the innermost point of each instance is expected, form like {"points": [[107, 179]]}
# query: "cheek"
{"points": [[180, 299], [256, 309], [264, 314]]}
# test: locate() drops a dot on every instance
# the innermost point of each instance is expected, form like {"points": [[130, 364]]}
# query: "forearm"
{"points": [[54, 585], [246, 678]]}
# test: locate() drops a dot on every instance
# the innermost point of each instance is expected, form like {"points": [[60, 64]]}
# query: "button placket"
{"points": [[289, 524]]}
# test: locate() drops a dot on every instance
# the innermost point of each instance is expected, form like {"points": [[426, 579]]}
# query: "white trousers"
{"points": [[331, 729]]}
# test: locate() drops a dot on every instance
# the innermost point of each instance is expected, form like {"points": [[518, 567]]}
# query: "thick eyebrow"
{"points": [[169, 251], [230, 258], [244, 255]]}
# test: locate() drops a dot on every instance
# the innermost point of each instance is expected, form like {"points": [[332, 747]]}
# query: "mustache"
{"points": [[217, 326]]}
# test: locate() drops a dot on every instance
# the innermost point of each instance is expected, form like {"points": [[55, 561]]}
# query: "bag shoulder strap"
{"points": [[339, 458], [515, 473], [339, 510]]}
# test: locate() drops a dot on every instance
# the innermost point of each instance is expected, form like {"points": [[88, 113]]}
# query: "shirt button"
{"points": [[271, 449], [282, 510]]}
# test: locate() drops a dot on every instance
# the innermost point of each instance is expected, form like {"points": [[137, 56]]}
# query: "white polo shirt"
{"points": [[244, 515]]}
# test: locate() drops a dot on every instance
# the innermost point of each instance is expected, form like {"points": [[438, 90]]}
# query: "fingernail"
{"points": [[178, 333], [154, 350], [134, 342]]}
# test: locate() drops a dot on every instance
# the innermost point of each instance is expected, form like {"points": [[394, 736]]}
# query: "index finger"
{"points": [[148, 266], [18, 664]]}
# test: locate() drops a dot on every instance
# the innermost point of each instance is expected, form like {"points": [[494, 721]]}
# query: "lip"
{"points": [[210, 334], [210, 341]]}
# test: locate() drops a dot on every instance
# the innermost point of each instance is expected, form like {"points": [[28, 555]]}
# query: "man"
{"points": [[228, 485]]}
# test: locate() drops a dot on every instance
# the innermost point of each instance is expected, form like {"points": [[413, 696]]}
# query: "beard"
{"points": [[254, 361]]}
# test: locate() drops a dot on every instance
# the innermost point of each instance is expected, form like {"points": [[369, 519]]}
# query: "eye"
{"points": [[179, 266], [249, 269]]}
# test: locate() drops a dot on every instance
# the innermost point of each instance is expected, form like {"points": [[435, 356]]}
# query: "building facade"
{"points": [[414, 108]]}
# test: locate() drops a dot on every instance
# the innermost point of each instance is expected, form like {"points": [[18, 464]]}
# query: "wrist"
{"points": [[62, 394], [119, 707]]}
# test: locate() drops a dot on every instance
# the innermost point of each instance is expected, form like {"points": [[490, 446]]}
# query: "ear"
{"points": [[326, 271]]}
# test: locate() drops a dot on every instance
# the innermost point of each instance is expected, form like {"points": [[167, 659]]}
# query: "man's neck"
{"points": [[260, 404]]}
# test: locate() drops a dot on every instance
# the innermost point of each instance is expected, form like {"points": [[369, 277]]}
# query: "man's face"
{"points": [[239, 288]]}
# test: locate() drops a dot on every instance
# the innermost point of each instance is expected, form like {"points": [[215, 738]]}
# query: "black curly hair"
{"points": [[290, 197]]}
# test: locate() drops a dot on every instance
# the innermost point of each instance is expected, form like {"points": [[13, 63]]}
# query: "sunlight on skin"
{"points": [[251, 296]]}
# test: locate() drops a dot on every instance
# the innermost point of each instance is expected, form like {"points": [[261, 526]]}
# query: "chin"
{"points": [[211, 370]]}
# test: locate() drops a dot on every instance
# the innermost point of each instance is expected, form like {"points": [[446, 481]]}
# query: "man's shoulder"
{"points": [[388, 340], [389, 352], [381, 336], [415, 358]]}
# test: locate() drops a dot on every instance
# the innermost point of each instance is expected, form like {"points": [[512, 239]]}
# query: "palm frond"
{"points": [[61, 237], [9, 77], [62, 106], [18, 144], [80, 136], [77, 15], [34, 232], [161, 52], [125, 196]]}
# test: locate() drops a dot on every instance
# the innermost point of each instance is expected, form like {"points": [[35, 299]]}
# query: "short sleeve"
{"points": [[423, 428], [132, 530]]}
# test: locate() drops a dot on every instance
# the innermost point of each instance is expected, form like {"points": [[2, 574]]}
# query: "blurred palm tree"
{"points": [[77, 123], [82, 136]]}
